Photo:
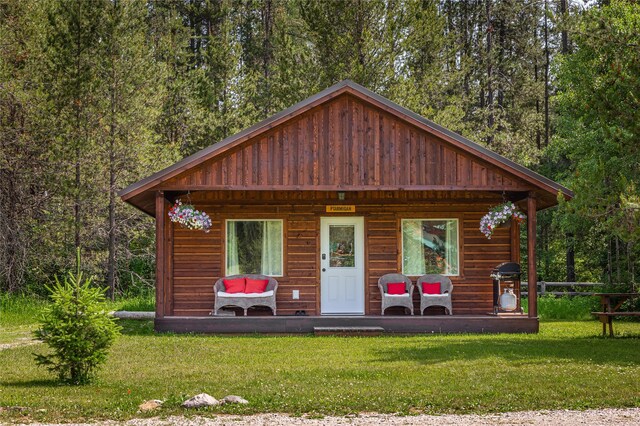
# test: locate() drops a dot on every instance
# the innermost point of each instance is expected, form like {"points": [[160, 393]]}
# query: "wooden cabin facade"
{"points": [[349, 167]]}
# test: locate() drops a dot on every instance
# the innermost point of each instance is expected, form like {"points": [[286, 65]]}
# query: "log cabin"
{"points": [[326, 197]]}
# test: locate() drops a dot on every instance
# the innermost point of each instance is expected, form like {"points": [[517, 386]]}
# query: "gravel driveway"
{"points": [[605, 417]]}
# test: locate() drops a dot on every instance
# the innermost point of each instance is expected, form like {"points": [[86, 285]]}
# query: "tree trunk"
{"points": [[546, 74], [564, 35], [618, 272], [609, 263], [77, 180], [466, 46], [490, 118], [113, 108], [111, 267], [77, 200], [536, 77], [571, 261], [111, 263], [12, 248], [267, 53]]}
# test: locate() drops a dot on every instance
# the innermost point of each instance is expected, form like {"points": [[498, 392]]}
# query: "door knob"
{"points": [[324, 270]]}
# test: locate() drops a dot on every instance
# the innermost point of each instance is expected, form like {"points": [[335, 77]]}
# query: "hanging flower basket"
{"points": [[500, 215], [188, 217]]}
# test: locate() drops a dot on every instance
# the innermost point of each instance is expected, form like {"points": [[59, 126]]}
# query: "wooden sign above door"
{"points": [[341, 209]]}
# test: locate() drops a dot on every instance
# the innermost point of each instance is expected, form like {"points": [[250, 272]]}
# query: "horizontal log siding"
{"points": [[198, 257], [197, 262], [346, 143]]}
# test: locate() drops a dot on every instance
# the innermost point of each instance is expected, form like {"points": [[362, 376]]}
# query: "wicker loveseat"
{"points": [[245, 300]]}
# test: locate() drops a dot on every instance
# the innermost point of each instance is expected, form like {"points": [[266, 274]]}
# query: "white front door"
{"points": [[342, 265]]}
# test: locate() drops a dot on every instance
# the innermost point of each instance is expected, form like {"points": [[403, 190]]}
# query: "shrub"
{"points": [[78, 329]]}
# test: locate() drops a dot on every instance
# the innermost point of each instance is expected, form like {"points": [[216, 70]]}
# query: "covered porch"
{"points": [[190, 262]]}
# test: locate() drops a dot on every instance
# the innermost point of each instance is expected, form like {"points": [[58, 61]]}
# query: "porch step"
{"points": [[348, 331]]}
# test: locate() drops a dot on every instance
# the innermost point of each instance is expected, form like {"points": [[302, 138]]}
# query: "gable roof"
{"points": [[134, 193]]}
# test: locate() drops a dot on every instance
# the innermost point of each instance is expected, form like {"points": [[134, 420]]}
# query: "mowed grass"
{"points": [[566, 366], [19, 314], [18, 319]]}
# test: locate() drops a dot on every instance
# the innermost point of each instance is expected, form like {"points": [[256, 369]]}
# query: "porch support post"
{"points": [[160, 253], [532, 278]]}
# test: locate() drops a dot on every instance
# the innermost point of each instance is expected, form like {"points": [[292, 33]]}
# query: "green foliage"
{"points": [[96, 95], [78, 329], [596, 146], [566, 307], [141, 302]]}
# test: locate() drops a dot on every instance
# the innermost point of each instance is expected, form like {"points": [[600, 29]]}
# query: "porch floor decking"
{"points": [[390, 324]]}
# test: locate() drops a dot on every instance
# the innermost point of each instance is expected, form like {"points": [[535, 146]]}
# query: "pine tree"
{"points": [[598, 127], [131, 99], [75, 34], [24, 125]]}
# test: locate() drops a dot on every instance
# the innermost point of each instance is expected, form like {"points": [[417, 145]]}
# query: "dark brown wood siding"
{"points": [[346, 143], [198, 257]]}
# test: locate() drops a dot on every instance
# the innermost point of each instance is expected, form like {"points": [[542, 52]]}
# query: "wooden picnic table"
{"points": [[610, 303]]}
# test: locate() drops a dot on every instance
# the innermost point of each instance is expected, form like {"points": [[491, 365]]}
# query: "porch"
{"points": [[401, 324]]}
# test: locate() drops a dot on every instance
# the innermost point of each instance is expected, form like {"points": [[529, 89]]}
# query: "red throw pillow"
{"points": [[431, 288], [235, 285], [396, 288], [256, 286]]}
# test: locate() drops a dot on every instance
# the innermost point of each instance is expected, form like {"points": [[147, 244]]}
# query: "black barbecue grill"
{"points": [[505, 274]]}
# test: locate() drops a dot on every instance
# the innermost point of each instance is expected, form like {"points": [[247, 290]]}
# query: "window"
{"points": [[254, 247], [430, 246]]}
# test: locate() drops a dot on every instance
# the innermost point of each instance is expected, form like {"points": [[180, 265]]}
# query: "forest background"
{"points": [[96, 94]]}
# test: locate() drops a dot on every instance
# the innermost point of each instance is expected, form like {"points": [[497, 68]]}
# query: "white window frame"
{"points": [[457, 220], [226, 241]]}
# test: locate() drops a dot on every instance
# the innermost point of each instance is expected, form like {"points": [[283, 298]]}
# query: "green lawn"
{"points": [[19, 315], [566, 365]]}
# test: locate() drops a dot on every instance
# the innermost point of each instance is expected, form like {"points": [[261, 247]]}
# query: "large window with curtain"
{"points": [[254, 247], [430, 246]]}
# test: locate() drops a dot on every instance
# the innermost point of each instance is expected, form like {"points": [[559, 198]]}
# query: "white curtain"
{"points": [[272, 247], [233, 264], [412, 248], [451, 245]]}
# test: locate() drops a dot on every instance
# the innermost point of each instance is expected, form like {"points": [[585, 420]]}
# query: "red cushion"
{"points": [[235, 285], [431, 288], [256, 286], [396, 288]]}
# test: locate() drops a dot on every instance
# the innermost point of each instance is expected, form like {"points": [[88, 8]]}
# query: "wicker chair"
{"points": [[442, 299], [388, 300], [243, 300]]}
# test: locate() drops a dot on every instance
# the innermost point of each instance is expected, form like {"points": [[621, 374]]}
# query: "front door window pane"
{"points": [[342, 246]]}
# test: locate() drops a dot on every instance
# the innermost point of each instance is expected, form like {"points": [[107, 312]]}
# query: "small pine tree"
{"points": [[78, 328]]}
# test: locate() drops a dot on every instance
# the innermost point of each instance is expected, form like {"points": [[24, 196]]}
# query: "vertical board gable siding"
{"points": [[342, 143]]}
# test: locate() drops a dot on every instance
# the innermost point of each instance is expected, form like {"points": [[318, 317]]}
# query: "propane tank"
{"points": [[508, 300]]}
